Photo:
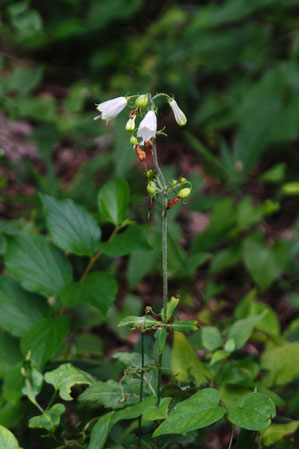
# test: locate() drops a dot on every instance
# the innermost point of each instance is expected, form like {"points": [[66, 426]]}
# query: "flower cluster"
{"points": [[143, 134]]}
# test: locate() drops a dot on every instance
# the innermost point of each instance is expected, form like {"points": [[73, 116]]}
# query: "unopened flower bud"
{"points": [[174, 182], [179, 116], [183, 181], [151, 188], [130, 126], [133, 140], [141, 101], [149, 174], [184, 193]]}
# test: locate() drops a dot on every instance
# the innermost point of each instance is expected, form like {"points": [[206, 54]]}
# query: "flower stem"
{"points": [[141, 388]]}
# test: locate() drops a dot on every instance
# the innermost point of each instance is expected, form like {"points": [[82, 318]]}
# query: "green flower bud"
{"points": [[141, 101], [133, 140], [183, 181], [174, 182], [130, 126], [151, 188], [150, 174], [184, 193]]}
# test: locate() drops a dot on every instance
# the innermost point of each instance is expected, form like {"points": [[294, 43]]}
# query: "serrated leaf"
{"points": [[184, 363], [44, 338], [211, 338], [19, 309], [139, 322], [127, 242], [113, 200], [65, 377], [71, 227], [98, 289], [256, 412], [109, 394], [184, 326], [201, 410], [277, 432], [39, 267], [7, 439], [157, 411], [49, 420]]}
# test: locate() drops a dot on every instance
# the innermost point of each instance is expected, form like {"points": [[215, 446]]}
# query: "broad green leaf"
{"points": [[103, 427], [48, 420], [201, 410], [13, 384], [241, 330], [98, 289], [140, 264], [277, 432], [11, 414], [160, 339], [19, 309], [71, 227], [184, 363], [113, 200], [184, 326], [100, 431], [282, 362], [218, 355], [10, 354], [211, 338], [65, 377], [265, 264], [108, 394], [7, 439], [44, 339], [24, 79], [275, 174], [130, 358], [139, 322], [158, 411], [256, 412], [34, 262], [129, 241], [170, 308]]}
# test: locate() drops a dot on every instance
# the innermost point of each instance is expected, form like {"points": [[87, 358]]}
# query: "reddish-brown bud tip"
{"points": [[172, 202], [140, 153]]}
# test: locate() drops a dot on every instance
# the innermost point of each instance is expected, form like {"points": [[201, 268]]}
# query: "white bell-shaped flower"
{"points": [[111, 108], [179, 116], [147, 127]]}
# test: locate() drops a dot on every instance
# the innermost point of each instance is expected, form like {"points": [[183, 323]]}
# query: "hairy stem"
{"points": [[141, 388]]}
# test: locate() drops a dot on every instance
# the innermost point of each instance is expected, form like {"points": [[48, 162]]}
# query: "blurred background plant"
{"points": [[233, 67]]}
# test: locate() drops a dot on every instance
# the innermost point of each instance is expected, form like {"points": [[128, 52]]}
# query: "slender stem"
{"points": [[159, 378], [141, 388]]}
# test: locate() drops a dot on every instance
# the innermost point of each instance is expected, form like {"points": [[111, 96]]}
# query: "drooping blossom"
{"points": [[148, 127], [111, 108]]}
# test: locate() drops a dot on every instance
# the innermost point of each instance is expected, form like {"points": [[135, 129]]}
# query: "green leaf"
{"points": [[241, 330], [65, 377], [184, 363], [256, 412], [7, 439], [49, 420], [158, 411], [263, 263], [246, 439], [201, 410], [100, 431], [282, 362], [113, 200], [274, 174], [160, 339], [37, 264], [211, 338], [71, 227], [139, 322], [33, 383], [19, 309], [98, 289], [277, 432], [24, 79], [184, 326], [108, 394], [170, 308], [140, 264], [129, 241], [10, 353], [44, 339]]}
